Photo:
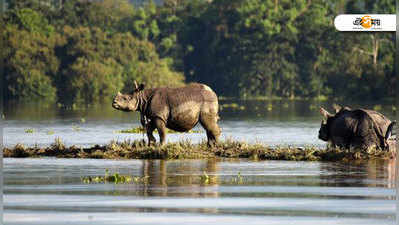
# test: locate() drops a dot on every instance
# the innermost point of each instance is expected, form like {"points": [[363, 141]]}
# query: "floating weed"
{"points": [[234, 106], [394, 108], [135, 130], [75, 128], [82, 120], [237, 179], [115, 178], [50, 132], [29, 130], [204, 178]]}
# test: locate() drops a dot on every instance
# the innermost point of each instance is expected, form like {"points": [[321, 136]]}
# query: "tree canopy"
{"points": [[71, 51]]}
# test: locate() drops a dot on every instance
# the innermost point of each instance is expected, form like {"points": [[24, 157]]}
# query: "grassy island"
{"points": [[137, 149]]}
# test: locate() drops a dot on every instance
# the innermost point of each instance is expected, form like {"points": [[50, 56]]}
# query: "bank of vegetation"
{"points": [[84, 51], [137, 149]]}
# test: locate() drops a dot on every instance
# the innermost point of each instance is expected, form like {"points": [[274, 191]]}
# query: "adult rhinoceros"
{"points": [[179, 109], [359, 128]]}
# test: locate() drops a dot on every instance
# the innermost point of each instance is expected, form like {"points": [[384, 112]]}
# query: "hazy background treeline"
{"points": [[84, 51]]}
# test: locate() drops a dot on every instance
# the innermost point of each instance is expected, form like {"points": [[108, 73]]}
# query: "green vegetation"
{"points": [[29, 130], [116, 178], [186, 150], [85, 51]]}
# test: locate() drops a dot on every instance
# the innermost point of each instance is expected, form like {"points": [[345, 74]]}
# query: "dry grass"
{"points": [[137, 149]]}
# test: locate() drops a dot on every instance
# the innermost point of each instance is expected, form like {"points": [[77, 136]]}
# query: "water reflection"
{"points": [[320, 191], [164, 176], [371, 173]]}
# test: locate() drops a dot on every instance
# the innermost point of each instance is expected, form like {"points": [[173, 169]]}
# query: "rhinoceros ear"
{"points": [[135, 85], [337, 108], [141, 87], [324, 113]]}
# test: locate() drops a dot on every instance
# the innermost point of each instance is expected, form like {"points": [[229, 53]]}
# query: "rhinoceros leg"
{"points": [[209, 123], [150, 129], [161, 127]]}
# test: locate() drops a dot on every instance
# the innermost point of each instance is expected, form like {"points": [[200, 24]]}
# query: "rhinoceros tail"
{"points": [[388, 134]]}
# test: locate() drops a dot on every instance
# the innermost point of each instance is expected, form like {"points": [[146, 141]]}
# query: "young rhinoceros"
{"points": [[179, 109], [359, 128]]}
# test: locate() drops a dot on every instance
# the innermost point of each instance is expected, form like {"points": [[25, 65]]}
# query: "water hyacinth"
{"points": [[115, 178]]}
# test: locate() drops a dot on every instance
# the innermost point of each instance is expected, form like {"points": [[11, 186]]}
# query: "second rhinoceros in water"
{"points": [[359, 128], [179, 109]]}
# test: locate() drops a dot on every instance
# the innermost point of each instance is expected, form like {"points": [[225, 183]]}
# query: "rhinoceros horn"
{"points": [[135, 85]]}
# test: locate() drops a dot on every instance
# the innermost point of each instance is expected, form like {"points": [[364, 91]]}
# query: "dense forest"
{"points": [[85, 51]]}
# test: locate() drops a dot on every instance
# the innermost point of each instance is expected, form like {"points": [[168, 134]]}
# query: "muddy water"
{"points": [[50, 191]]}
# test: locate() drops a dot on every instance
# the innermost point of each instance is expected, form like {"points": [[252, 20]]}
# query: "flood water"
{"points": [[51, 191]]}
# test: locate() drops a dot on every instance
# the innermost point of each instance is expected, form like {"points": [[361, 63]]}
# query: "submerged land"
{"points": [[138, 149]]}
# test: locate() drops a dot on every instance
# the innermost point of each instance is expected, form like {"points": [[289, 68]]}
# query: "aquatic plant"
{"points": [[29, 130], [237, 179], [233, 106], [134, 130], [204, 178], [75, 128], [50, 132], [115, 178]]}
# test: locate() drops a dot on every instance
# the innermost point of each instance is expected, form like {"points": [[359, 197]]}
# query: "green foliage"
{"points": [[88, 50], [30, 64], [116, 178]]}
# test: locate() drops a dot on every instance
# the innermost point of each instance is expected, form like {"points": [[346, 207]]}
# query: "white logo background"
{"points": [[345, 22]]}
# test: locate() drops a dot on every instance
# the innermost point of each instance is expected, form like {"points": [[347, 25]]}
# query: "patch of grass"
{"points": [[115, 178], [133, 130], [29, 130], [75, 128], [138, 149], [233, 106]]}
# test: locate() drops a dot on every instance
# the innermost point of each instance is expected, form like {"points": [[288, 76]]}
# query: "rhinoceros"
{"points": [[178, 109], [358, 128]]}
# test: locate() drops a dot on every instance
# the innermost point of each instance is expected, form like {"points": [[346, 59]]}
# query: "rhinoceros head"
{"points": [[324, 128], [128, 102]]}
